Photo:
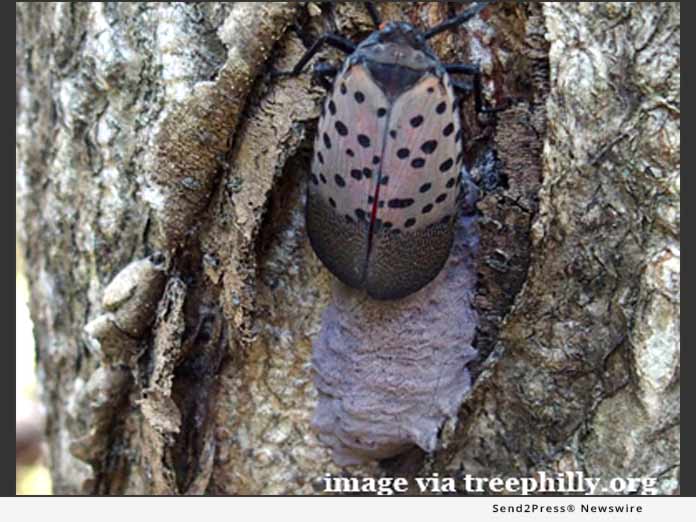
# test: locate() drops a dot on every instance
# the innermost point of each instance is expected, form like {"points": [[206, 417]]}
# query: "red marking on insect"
{"points": [[373, 214]]}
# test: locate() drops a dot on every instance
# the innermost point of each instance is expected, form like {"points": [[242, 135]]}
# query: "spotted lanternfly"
{"points": [[384, 183]]}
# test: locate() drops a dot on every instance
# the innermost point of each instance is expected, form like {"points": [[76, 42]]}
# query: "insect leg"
{"points": [[334, 40], [463, 68], [462, 88], [475, 71], [374, 14], [324, 73], [457, 20]]}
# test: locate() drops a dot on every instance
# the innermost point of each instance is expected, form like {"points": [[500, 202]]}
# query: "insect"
{"points": [[383, 189]]}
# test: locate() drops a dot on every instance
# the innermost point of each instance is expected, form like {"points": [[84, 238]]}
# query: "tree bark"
{"points": [[175, 298]]}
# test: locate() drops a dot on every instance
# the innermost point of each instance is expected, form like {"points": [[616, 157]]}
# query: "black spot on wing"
{"points": [[446, 165], [429, 146], [400, 203], [417, 121]]}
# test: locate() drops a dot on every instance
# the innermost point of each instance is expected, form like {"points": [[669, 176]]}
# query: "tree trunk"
{"points": [[175, 298]]}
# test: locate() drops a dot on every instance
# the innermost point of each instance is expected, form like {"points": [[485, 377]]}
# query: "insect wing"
{"points": [[417, 194], [347, 158]]}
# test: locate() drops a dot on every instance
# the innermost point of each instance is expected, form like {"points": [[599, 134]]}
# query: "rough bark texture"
{"points": [[160, 182]]}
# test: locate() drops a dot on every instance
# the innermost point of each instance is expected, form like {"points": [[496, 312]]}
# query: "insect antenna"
{"points": [[374, 14], [457, 20]]}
